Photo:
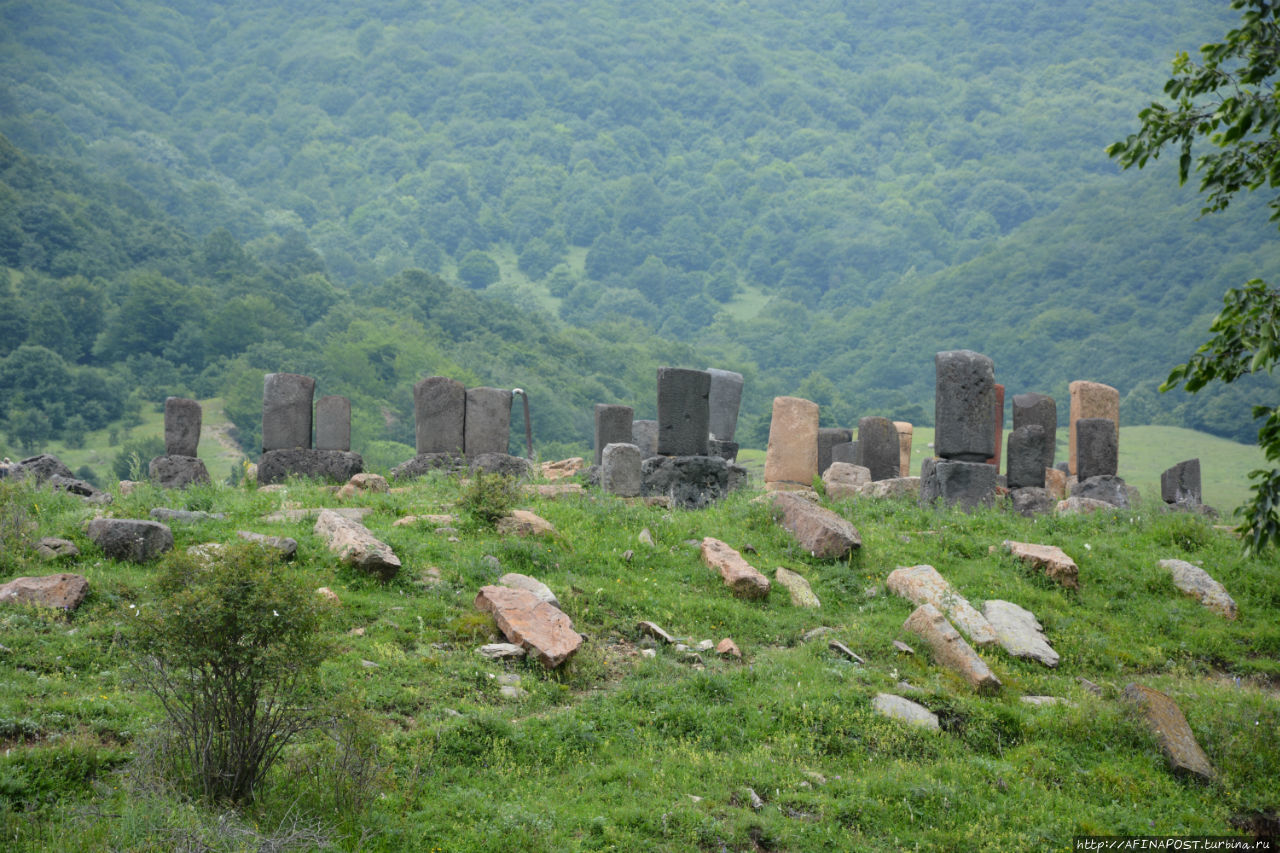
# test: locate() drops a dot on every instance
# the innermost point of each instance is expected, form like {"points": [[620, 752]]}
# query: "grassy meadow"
{"points": [[618, 750]]}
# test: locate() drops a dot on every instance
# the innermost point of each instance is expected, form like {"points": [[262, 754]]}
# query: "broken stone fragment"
{"points": [[739, 575], [841, 648], [801, 593], [502, 651], [650, 629], [818, 530], [921, 584], [1051, 559], [285, 546], [1020, 633], [898, 708], [521, 522], [357, 547], [50, 548], [843, 479], [1200, 585], [535, 625], [1172, 732], [950, 649], [728, 648], [63, 591], [363, 483], [533, 585]]}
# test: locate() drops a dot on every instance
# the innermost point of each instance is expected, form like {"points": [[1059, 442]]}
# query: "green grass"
{"points": [[610, 751]]}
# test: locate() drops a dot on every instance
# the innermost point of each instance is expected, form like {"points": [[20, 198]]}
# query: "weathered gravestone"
{"points": [[286, 411], [846, 452], [439, 414], [829, 437], [182, 419], [1041, 410], [684, 412], [968, 485], [1180, 485], [644, 434], [879, 448], [333, 423], [487, 423], [1026, 457], [791, 459], [964, 406], [1090, 400], [620, 470], [613, 426], [724, 401], [1097, 449], [905, 432]]}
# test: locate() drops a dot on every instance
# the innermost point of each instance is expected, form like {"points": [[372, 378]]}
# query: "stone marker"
{"points": [[898, 708], [817, 530], [847, 453], [724, 400], [515, 580], [999, 425], [1104, 487], [1040, 410], [1091, 400], [950, 649], [357, 547], [64, 591], [534, 625], [739, 575], [801, 593], [843, 480], [487, 423], [792, 455], [968, 485], [1166, 721], [131, 539], [1180, 485], [829, 437], [922, 584], [333, 423], [177, 472], [1055, 483], [879, 447], [1097, 448], [439, 414], [286, 411], [905, 432], [1199, 584], [612, 426], [684, 412], [620, 472], [964, 406], [644, 434], [1026, 457], [181, 426], [1050, 559], [337, 466], [1019, 632]]}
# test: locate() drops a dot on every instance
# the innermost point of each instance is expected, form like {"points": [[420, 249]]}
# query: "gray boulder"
{"points": [[177, 472], [130, 539]]}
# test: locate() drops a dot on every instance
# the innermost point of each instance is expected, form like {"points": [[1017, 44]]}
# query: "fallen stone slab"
{"points": [[502, 651], [1043, 700], [435, 520], [922, 584], [353, 542], [1076, 505], [133, 539], [1020, 633], [816, 529], [1201, 586], [1166, 721], [534, 625], [795, 584], [51, 548], [651, 629], [898, 708], [950, 649], [1050, 559], [184, 516], [285, 546], [739, 575], [521, 522], [515, 580], [63, 591], [562, 468]]}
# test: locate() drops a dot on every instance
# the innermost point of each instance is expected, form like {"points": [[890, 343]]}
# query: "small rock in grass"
{"points": [[795, 584], [903, 647], [328, 595], [650, 629], [728, 648], [502, 651], [739, 575], [898, 708], [1200, 585], [841, 648], [646, 538], [815, 633], [521, 522]]}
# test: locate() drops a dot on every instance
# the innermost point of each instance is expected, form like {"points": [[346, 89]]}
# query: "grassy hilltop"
{"points": [[618, 750]]}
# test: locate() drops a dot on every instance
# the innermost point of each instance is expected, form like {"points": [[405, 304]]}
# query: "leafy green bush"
{"points": [[134, 457], [490, 498], [231, 650]]}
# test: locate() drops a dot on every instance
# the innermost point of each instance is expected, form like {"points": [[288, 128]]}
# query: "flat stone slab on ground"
{"points": [[355, 513], [64, 591], [535, 625], [554, 491], [818, 530], [739, 575], [651, 629], [357, 547], [502, 651], [1056, 565], [950, 649], [1199, 584], [132, 539], [898, 708], [795, 584], [285, 546], [1172, 732], [923, 584], [1020, 633], [515, 580], [521, 522], [187, 516]]}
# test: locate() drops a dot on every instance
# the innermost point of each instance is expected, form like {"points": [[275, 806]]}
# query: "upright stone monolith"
{"points": [[182, 418], [846, 452], [791, 458], [905, 433], [964, 406], [620, 470], [1180, 485], [286, 411], [644, 434], [1042, 410], [439, 414], [1097, 452], [487, 428], [1026, 457], [612, 426], [999, 425], [878, 446], [333, 423], [684, 413], [1091, 400], [829, 437], [725, 399]]}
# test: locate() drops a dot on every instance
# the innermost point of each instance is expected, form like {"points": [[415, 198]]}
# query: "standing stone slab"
{"points": [[999, 425], [1180, 485], [182, 418], [1040, 410], [905, 432], [922, 584], [1026, 457], [968, 485], [531, 623], [816, 529], [846, 452], [1097, 448], [1091, 400], [487, 421], [1199, 584], [684, 413], [439, 414], [612, 426], [333, 423], [792, 455], [879, 448], [829, 437], [1166, 721], [1020, 633], [131, 539], [724, 401], [739, 575], [286, 411], [620, 472], [950, 649], [1055, 483], [644, 435], [355, 545], [964, 406]]}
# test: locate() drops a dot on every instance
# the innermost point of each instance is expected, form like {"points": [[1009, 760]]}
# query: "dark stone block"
{"points": [[1107, 488], [334, 465], [1029, 501], [613, 426], [182, 418], [333, 423], [879, 448], [846, 451], [968, 485], [425, 463], [726, 450], [286, 411], [439, 415], [1180, 485], [1040, 409], [644, 435], [829, 437], [131, 539], [500, 463], [691, 482], [88, 491], [1097, 448], [724, 401], [684, 412], [178, 472], [488, 421], [1026, 457], [964, 406], [42, 467]]}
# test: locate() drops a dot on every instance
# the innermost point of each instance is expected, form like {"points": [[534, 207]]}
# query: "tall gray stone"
{"points": [[1025, 459], [878, 446], [724, 401], [845, 452], [968, 485], [620, 470], [333, 423], [1097, 450], [964, 406], [439, 414], [488, 421], [286, 411], [1180, 485], [829, 437], [644, 435], [613, 426], [684, 412], [182, 419], [1040, 409]]}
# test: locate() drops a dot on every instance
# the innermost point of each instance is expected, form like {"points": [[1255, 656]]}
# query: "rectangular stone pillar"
{"points": [[1041, 410], [964, 406], [724, 401], [1091, 400], [878, 447], [1097, 452], [829, 437], [999, 423], [905, 433], [613, 426], [333, 423], [684, 412], [791, 458], [488, 421], [439, 415], [644, 434], [182, 418], [286, 411]]}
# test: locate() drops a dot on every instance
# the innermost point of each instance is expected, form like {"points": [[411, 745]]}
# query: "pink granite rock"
{"points": [[819, 531], [739, 575], [537, 626], [64, 591]]}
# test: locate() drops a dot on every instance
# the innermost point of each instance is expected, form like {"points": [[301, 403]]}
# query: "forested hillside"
{"points": [[819, 194]]}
